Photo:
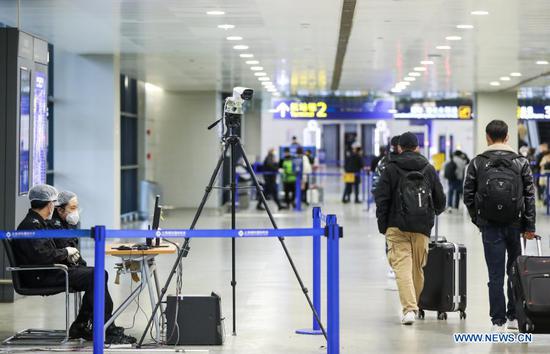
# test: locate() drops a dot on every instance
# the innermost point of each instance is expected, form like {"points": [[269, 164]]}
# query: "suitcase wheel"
{"points": [[421, 314], [442, 316], [462, 315]]}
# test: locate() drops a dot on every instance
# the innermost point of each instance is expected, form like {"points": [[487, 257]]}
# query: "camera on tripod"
{"points": [[233, 109]]}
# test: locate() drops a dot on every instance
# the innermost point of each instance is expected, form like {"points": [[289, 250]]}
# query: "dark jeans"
{"points": [[347, 191], [497, 241], [455, 192], [290, 190], [271, 190]]}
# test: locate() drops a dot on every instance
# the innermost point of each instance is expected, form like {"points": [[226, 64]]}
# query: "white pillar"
{"points": [[495, 105], [87, 134]]}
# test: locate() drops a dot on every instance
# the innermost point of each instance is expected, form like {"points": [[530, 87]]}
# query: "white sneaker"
{"points": [[498, 328], [408, 318], [512, 325]]}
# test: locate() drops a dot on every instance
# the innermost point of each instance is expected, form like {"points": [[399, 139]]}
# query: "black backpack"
{"points": [[415, 197], [498, 197]]}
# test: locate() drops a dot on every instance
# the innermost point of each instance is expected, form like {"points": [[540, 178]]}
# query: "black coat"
{"points": [[353, 163], [386, 196], [39, 252], [272, 167], [57, 223], [527, 192]]}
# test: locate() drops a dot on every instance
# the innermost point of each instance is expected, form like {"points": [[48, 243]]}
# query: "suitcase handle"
{"points": [[523, 243]]}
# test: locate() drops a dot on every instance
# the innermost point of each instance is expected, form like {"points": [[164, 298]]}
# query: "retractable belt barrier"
{"points": [[332, 231]]}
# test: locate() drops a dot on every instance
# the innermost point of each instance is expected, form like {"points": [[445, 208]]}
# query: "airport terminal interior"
{"points": [[234, 165]]}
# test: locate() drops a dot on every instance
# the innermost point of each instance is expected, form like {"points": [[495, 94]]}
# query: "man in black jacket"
{"points": [[408, 196], [500, 171], [45, 252], [353, 164]]}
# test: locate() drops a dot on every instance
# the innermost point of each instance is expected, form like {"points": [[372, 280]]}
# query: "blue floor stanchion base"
{"points": [[310, 332]]}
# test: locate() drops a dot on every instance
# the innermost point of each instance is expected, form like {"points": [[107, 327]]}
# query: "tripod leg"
{"points": [[185, 248], [281, 240], [233, 226]]}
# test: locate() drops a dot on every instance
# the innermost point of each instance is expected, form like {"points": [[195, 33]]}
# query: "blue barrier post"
{"points": [[99, 289], [333, 287], [369, 190], [548, 194], [298, 192], [363, 185], [316, 329]]}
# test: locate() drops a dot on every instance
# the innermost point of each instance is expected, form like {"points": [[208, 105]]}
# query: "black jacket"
{"points": [[272, 167], [527, 222], [353, 163], [37, 251], [57, 223], [386, 196]]}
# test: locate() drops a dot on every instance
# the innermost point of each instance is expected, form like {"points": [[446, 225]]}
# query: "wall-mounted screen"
{"points": [[24, 129], [40, 139]]}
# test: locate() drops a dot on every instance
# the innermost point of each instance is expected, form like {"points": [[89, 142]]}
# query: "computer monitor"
{"points": [[156, 223]]}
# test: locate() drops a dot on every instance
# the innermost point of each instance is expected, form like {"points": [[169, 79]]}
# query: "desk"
{"points": [[148, 269]]}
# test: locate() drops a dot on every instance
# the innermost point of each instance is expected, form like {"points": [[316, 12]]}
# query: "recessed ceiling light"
{"points": [[403, 83], [240, 47], [515, 74], [226, 26], [426, 62], [443, 47], [494, 83], [420, 68], [265, 81], [276, 94], [408, 78], [246, 55], [464, 26], [260, 74], [252, 62], [505, 78], [415, 74], [479, 12], [264, 78], [256, 68], [453, 38], [542, 62], [215, 13], [234, 38]]}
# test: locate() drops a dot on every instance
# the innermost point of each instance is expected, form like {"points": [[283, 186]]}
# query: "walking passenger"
{"points": [[408, 196], [500, 196]]}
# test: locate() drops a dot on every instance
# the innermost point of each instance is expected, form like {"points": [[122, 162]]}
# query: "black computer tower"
{"points": [[199, 320]]}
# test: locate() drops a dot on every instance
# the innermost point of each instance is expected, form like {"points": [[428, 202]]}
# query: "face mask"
{"points": [[51, 213], [73, 218]]}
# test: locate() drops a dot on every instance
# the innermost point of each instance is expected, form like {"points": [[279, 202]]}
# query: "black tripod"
{"points": [[232, 144]]}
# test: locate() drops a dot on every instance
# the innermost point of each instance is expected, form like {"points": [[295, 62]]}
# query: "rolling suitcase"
{"points": [[444, 279], [531, 288]]}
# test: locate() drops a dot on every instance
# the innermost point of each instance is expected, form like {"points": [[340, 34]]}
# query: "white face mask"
{"points": [[51, 213], [73, 218]]}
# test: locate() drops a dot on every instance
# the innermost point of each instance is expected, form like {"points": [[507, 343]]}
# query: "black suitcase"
{"points": [[531, 288], [444, 279]]}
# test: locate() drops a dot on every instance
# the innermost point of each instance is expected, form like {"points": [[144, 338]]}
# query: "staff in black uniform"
{"points": [[46, 252]]}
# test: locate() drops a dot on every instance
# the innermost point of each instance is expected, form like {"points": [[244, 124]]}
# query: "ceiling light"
{"points": [[256, 68], [464, 26], [234, 38], [426, 62], [265, 82], [453, 38], [420, 68], [395, 90], [515, 74], [252, 62], [240, 47], [415, 74], [276, 94], [260, 74], [246, 55], [263, 79], [505, 78], [408, 78], [403, 83], [479, 12], [542, 62], [215, 13], [443, 47], [226, 27], [494, 83]]}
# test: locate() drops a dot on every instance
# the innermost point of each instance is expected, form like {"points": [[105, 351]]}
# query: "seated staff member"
{"points": [[45, 252], [67, 217]]}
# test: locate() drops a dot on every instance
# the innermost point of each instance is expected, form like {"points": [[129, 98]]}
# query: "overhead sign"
{"points": [[327, 108], [444, 109], [534, 112]]}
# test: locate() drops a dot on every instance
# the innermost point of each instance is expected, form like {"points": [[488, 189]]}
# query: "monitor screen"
{"points": [[24, 129], [40, 146]]}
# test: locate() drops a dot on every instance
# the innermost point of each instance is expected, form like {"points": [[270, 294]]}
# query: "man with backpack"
{"points": [[500, 196], [408, 197], [454, 174], [289, 177]]}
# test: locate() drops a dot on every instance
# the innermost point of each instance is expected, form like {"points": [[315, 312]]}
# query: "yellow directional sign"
{"points": [[464, 112]]}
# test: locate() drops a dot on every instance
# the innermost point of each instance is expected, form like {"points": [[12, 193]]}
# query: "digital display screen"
{"points": [[24, 129], [40, 141]]}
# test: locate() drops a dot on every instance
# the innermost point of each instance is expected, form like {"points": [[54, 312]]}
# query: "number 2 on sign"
{"points": [[322, 111]]}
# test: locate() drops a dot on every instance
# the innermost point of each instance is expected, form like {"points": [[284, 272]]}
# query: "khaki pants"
{"points": [[407, 255]]}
